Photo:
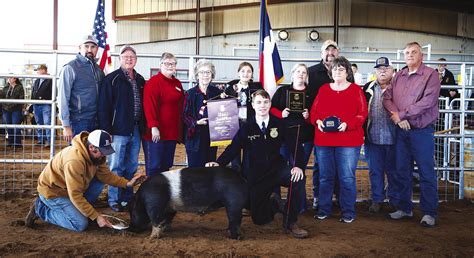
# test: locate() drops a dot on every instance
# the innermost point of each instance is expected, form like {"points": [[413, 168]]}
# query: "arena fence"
{"points": [[454, 145]]}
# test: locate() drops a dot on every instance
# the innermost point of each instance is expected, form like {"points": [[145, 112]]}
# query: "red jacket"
{"points": [[350, 106], [163, 105]]}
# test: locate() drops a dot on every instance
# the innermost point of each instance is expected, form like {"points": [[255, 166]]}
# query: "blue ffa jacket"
{"points": [[116, 103], [264, 150]]}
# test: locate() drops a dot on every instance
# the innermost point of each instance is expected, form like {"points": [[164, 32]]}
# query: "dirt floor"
{"points": [[194, 235]]}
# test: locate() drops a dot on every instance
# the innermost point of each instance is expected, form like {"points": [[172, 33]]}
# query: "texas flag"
{"points": [[271, 71]]}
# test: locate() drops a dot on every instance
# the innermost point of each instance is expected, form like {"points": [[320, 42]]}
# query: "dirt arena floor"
{"points": [[194, 235]]}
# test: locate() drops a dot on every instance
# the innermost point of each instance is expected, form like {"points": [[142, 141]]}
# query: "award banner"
{"points": [[223, 121]]}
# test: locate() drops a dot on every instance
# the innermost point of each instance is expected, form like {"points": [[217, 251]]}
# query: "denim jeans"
{"points": [[340, 161], [62, 212], [13, 118], [124, 163], [417, 144], [78, 126], [315, 175], [159, 156], [285, 152], [42, 114], [381, 158]]}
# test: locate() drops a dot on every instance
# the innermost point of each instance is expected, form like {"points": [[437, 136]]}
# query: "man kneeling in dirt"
{"points": [[73, 180]]}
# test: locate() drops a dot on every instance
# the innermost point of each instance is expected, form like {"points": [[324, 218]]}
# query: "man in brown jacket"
{"points": [[64, 185]]}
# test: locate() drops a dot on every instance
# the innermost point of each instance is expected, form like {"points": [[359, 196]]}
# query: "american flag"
{"points": [[105, 61]]}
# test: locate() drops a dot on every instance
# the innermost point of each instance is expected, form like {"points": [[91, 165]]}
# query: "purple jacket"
{"points": [[415, 96]]}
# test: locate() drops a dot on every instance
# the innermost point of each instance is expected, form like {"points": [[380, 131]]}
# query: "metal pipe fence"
{"points": [[454, 145]]}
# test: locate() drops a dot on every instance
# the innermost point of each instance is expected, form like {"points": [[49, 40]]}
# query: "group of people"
{"points": [[112, 115], [13, 113]]}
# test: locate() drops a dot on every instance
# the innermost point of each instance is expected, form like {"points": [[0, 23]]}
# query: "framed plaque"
{"points": [[295, 101]]}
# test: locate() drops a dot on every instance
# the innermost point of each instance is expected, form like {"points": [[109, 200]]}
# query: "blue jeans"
{"points": [[78, 126], [285, 152], [42, 114], [62, 212], [340, 161], [159, 156], [124, 163], [381, 160], [417, 144], [13, 118]]}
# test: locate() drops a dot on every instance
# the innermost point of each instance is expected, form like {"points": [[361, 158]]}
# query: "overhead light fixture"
{"points": [[283, 35], [313, 35]]}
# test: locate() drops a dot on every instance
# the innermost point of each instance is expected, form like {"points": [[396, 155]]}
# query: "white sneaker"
{"points": [[428, 221], [401, 215]]}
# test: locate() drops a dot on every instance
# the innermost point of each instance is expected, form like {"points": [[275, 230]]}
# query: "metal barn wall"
{"points": [[354, 44], [356, 13]]}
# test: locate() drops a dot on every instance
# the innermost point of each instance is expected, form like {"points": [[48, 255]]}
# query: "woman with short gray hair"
{"points": [[163, 99], [197, 138]]}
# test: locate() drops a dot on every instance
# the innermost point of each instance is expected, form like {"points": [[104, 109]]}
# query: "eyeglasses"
{"points": [[169, 64], [205, 72], [340, 69], [384, 69], [129, 57]]}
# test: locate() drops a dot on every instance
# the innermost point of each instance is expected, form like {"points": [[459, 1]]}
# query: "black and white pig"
{"points": [[189, 190]]}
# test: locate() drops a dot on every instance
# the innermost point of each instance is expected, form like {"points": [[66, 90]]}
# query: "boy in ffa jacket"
{"points": [[262, 136]]}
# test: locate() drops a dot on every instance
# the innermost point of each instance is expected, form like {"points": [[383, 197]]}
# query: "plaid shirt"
{"points": [[382, 129], [137, 107]]}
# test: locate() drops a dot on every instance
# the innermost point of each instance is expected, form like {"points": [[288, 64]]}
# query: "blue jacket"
{"points": [[116, 103], [193, 101], [78, 90]]}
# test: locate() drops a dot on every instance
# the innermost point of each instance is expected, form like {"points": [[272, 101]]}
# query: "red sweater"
{"points": [[163, 106], [350, 106]]}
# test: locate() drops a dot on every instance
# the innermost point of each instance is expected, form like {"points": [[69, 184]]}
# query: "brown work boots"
{"points": [[31, 217], [296, 231]]}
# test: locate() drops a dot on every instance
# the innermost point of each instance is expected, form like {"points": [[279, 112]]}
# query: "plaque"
{"points": [[331, 124], [295, 101]]}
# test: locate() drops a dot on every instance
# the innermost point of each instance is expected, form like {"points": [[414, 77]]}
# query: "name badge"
{"points": [[253, 137], [178, 89]]}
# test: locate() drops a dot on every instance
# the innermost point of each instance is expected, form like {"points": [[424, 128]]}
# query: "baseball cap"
{"points": [[102, 140], [89, 39], [328, 43], [127, 47], [382, 61]]}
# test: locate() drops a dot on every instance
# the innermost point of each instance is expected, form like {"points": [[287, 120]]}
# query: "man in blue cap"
{"points": [[379, 134]]}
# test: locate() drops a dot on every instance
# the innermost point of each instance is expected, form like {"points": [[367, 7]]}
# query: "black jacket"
{"points": [[43, 91], [116, 104], [264, 150], [318, 76], [265, 162], [253, 86], [448, 79], [279, 101]]}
